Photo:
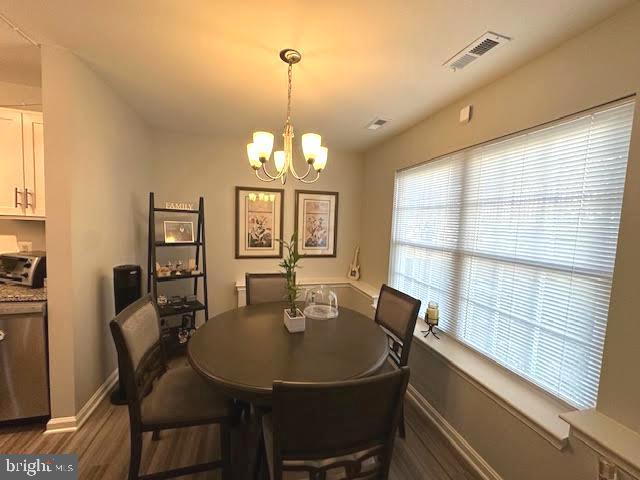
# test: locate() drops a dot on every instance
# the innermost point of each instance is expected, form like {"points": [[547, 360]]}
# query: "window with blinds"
{"points": [[516, 241]]}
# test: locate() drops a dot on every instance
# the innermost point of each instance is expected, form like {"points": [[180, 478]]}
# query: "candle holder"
{"points": [[431, 318]]}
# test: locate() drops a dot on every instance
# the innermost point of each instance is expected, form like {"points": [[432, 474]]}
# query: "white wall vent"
{"points": [[479, 47], [376, 123]]}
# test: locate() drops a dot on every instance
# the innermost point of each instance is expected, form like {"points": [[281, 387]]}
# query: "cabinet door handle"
{"points": [[26, 197], [1, 335], [15, 197]]}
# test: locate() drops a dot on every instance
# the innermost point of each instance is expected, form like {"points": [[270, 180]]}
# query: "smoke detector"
{"points": [[376, 123], [479, 47]]}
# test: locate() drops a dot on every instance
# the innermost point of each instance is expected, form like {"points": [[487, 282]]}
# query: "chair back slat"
{"points": [[265, 287], [141, 330], [136, 334], [328, 420], [397, 314]]}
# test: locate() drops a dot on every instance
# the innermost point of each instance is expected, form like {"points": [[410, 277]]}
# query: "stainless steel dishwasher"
{"points": [[24, 382]]}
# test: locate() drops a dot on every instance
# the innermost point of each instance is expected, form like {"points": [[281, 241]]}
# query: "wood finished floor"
{"points": [[102, 446]]}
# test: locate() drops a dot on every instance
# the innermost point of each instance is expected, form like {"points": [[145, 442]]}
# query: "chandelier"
{"points": [[259, 151]]}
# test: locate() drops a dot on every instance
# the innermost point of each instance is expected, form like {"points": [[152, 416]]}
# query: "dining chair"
{"points": [[265, 287], [160, 398], [397, 313], [334, 429]]}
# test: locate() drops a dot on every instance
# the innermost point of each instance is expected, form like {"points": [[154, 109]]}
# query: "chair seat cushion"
{"points": [[369, 464], [180, 395]]}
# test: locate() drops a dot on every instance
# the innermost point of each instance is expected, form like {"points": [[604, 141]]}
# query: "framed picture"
{"points": [[259, 213], [317, 223], [178, 232]]}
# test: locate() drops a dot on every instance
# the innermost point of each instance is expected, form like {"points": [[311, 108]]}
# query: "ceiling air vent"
{"points": [[480, 46], [376, 123]]}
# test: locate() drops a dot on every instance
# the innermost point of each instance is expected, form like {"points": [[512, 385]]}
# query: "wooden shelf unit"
{"points": [[189, 308]]}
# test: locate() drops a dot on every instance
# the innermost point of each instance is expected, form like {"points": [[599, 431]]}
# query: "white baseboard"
{"points": [[71, 424], [61, 425], [99, 395], [473, 458]]}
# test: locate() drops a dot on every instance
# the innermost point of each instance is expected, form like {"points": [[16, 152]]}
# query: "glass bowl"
{"points": [[321, 303]]}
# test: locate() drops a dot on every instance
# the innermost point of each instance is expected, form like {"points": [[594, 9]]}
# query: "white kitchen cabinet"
{"points": [[33, 148], [11, 163], [21, 164]]}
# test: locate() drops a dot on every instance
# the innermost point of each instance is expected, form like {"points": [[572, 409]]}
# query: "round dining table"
{"points": [[244, 350]]}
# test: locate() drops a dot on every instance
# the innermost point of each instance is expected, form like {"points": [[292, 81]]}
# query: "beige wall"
{"points": [[489, 427], [97, 174], [12, 94], [596, 67], [185, 167], [26, 230]]}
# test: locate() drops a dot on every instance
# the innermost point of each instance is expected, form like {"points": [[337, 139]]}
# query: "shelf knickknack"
{"points": [[178, 232]]}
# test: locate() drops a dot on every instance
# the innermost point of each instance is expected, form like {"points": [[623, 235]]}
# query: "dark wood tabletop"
{"points": [[244, 350]]}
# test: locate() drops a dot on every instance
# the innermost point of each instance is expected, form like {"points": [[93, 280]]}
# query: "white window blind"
{"points": [[516, 240]]}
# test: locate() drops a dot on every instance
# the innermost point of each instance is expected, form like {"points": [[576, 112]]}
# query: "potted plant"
{"points": [[294, 319]]}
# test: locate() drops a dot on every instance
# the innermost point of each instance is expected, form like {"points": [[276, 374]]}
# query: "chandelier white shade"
{"points": [[259, 151]]}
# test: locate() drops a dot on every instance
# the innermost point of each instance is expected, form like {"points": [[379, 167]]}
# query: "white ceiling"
{"points": [[212, 67], [19, 59]]}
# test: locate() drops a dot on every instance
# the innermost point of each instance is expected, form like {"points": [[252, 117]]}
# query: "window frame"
{"points": [[459, 250]]}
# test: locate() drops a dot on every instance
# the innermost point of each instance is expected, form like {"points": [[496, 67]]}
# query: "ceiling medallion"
{"points": [[259, 151]]}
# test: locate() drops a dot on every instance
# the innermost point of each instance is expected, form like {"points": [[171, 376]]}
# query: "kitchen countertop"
{"points": [[18, 293]]}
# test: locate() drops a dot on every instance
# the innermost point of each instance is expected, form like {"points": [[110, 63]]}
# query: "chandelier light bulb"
{"points": [[321, 159], [264, 144], [280, 159], [310, 146], [252, 153]]}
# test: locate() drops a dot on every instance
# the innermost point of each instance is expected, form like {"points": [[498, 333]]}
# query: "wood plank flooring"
{"points": [[102, 446]]}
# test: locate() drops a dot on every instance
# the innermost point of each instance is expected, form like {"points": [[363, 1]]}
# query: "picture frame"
{"points": [[259, 222], [178, 232], [316, 220]]}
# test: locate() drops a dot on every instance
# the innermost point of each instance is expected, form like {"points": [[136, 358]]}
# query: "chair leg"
{"points": [[156, 435], [225, 451], [259, 460], [136, 455], [236, 413], [244, 410], [401, 426]]}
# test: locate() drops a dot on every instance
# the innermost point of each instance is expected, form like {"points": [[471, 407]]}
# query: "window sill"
{"points": [[536, 409], [607, 437]]}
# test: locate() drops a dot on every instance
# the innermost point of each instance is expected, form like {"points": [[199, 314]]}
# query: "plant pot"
{"points": [[294, 324]]}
